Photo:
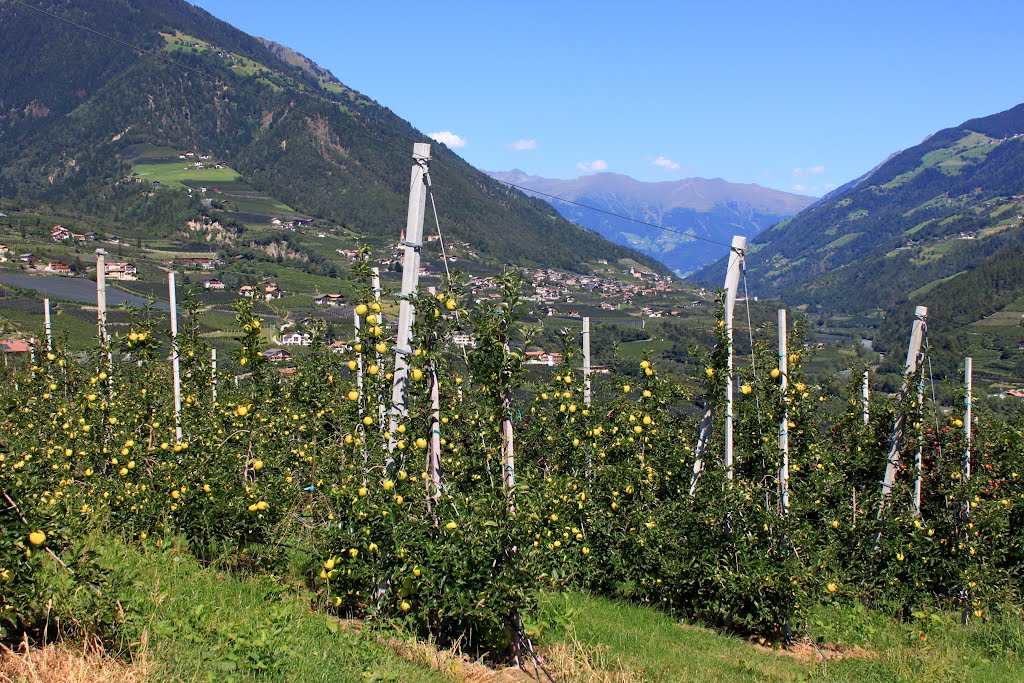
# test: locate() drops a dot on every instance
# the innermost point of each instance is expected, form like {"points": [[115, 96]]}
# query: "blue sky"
{"points": [[798, 96]]}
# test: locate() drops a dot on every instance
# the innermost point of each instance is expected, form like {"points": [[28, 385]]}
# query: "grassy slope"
{"points": [[645, 644], [202, 622]]}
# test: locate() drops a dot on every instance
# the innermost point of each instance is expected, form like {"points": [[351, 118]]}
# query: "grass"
{"points": [[844, 240], [174, 174], [629, 643], [203, 624]]}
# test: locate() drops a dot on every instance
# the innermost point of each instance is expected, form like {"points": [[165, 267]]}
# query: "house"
{"points": [[332, 300], [600, 369], [272, 291], [59, 233], [463, 339], [213, 283], [27, 258], [338, 347], [296, 339], [543, 358], [119, 270], [58, 268], [197, 263], [277, 355], [247, 291], [13, 346]]}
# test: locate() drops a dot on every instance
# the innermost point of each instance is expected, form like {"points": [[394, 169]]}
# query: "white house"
{"points": [[119, 270], [295, 339]]}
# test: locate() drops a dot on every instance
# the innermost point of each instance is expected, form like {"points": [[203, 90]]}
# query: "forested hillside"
{"points": [[292, 133], [939, 224]]}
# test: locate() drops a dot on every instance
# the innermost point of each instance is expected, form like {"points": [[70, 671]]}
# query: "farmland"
{"points": [[460, 521]]}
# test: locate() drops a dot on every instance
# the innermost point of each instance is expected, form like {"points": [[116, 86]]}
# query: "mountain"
{"points": [[940, 224], [83, 116], [694, 207]]}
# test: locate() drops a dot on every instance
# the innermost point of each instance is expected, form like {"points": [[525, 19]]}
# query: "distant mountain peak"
{"points": [[696, 211]]}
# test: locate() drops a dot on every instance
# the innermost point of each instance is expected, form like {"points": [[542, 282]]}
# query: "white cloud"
{"points": [[523, 144], [665, 164], [799, 187], [592, 166], [810, 170], [448, 138]]}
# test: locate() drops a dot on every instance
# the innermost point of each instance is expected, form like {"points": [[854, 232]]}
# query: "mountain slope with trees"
{"points": [[71, 100], [940, 224]]}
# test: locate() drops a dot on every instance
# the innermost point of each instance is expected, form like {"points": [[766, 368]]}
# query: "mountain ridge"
{"points": [[939, 224], [291, 129], [698, 214]]}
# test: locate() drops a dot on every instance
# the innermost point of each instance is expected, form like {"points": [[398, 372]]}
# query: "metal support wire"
{"points": [[444, 254], [753, 369]]}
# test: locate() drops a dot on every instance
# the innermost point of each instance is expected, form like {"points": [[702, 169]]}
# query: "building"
{"points": [[15, 346], [332, 300], [213, 284], [296, 339], [464, 340], [272, 291], [119, 270], [58, 268], [277, 355], [197, 263], [543, 358], [247, 291]]}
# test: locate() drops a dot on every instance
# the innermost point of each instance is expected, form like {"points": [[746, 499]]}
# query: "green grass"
{"points": [[203, 624], [844, 240], [924, 289], [635, 350], [621, 638], [174, 174]]}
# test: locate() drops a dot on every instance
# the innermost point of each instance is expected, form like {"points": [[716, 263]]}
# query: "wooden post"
{"points": [[410, 280], [968, 405], [896, 439], [866, 395], [359, 361], [46, 323], [586, 361], [965, 613], [375, 284], [175, 362], [101, 296], [784, 423], [919, 454], [434, 454], [508, 452], [732, 280], [703, 442], [213, 373]]}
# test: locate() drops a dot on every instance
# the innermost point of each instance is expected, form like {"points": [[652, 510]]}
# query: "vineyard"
{"points": [[452, 520]]}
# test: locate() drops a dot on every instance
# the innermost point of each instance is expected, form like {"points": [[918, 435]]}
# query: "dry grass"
{"points": [[87, 663], [571, 662], [452, 663], [809, 652]]}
